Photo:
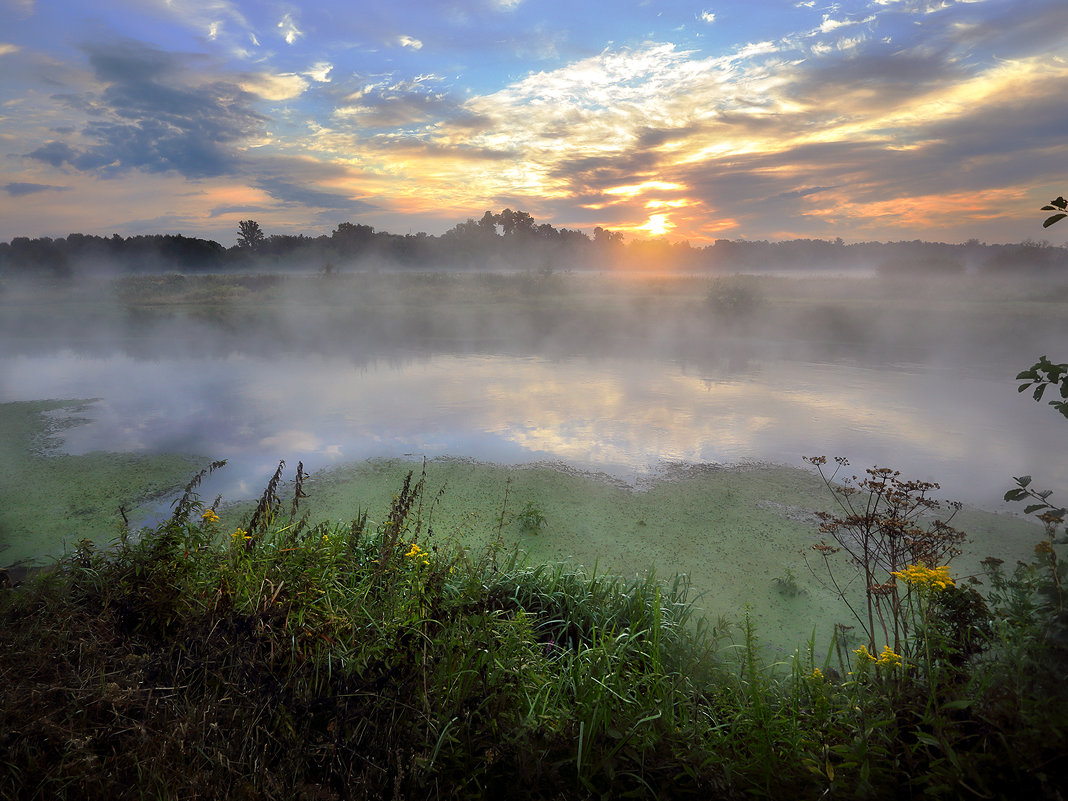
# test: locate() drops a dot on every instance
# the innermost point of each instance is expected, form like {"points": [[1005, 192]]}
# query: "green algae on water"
{"points": [[49, 500], [737, 533]]}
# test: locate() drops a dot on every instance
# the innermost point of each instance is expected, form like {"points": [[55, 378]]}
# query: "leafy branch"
{"points": [[1043, 374], [1060, 205]]}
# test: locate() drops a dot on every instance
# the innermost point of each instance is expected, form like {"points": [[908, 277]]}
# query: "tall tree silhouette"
{"points": [[249, 234]]}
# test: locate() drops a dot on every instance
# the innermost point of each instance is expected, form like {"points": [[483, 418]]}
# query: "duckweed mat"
{"points": [[49, 500], [740, 534]]}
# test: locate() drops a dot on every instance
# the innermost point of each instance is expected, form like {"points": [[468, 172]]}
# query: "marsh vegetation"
{"points": [[286, 659]]}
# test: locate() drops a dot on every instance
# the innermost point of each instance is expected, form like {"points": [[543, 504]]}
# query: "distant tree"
{"points": [[350, 239], [602, 236], [488, 223], [249, 234]]}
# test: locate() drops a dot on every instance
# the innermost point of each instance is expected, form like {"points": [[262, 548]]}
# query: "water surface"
{"points": [[971, 431]]}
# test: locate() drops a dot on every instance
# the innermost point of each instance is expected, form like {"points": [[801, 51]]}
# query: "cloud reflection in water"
{"points": [[621, 416]]}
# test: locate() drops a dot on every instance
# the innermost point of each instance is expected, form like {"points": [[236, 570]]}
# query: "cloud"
{"points": [[306, 195], [410, 42], [55, 153], [156, 115], [23, 8], [17, 188], [7, 48], [804, 192], [284, 86], [397, 104], [707, 16], [288, 29], [214, 19], [219, 211], [320, 72]]}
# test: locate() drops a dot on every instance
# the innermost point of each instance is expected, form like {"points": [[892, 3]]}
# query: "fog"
{"points": [[599, 372]]}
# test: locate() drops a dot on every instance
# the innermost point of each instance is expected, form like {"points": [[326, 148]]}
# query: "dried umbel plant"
{"points": [[885, 525]]}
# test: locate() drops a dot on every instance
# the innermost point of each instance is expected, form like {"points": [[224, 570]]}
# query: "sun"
{"points": [[658, 225]]}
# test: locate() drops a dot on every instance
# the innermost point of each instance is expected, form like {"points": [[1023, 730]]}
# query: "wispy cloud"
{"points": [[288, 30], [320, 71], [18, 189]]}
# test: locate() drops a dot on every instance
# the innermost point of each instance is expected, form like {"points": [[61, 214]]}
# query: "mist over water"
{"points": [[599, 374]]}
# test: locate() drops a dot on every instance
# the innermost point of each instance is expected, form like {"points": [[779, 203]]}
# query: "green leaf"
{"points": [[1022, 387], [1050, 220], [927, 739], [1030, 510], [1039, 390], [1023, 481], [1015, 495], [960, 703]]}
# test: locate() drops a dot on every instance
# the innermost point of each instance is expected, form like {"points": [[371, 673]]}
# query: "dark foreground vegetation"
{"points": [[285, 659]]}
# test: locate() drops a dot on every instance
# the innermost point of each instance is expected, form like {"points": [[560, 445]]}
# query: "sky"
{"points": [[869, 120]]}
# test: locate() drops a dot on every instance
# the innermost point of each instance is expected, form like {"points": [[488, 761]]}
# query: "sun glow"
{"points": [[658, 225], [634, 190]]}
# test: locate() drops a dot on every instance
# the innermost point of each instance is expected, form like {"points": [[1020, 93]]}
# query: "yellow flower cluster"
{"points": [[921, 576], [210, 516], [416, 552], [241, 534], [817, 674], [887, 659]]}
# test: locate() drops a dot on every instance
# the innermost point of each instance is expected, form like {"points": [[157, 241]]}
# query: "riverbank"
{"points": [[369, 657]]}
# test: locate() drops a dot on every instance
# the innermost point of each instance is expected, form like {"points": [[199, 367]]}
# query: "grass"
{"points": [[285, 659]]}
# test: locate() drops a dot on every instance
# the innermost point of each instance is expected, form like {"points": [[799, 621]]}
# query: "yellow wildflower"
{"points": [[817, 674], [414, 551], [862, 653], [240, 534], [210, 516], [921, 576], [888, 659]]}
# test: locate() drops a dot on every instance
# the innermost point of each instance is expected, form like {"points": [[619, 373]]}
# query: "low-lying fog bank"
{"points": [[703, 320]]}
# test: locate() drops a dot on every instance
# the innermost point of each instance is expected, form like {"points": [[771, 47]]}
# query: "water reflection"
{"points": [[613, 414]]}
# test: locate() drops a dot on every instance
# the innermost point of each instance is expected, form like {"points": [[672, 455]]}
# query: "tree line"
{"points": [[505, 240]]}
